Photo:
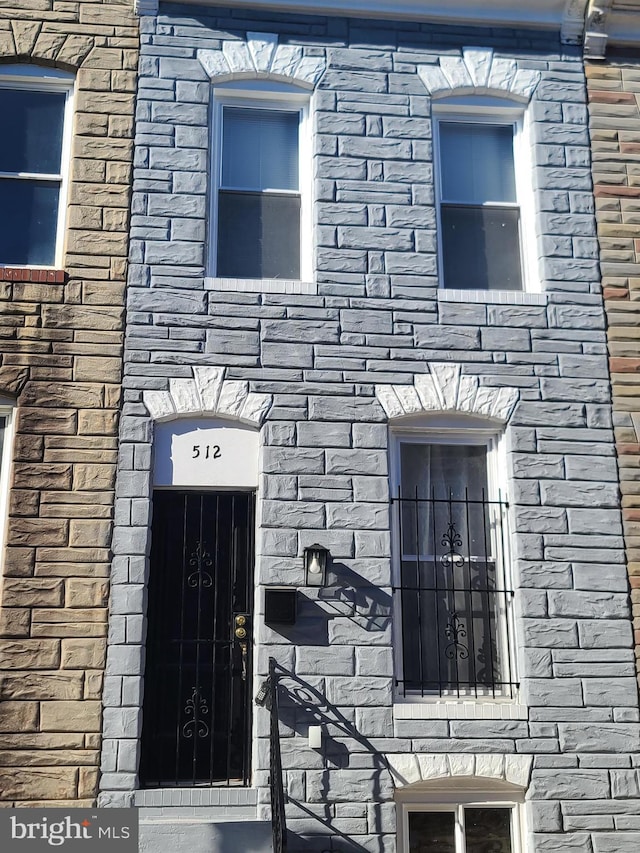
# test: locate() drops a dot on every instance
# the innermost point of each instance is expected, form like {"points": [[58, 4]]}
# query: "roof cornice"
{"points": [[594, 23], [560, 15]]}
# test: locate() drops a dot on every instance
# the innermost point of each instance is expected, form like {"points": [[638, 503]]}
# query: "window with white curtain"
{"points": [[35, 104], [453, 586], [261, 203], [480, 182]]}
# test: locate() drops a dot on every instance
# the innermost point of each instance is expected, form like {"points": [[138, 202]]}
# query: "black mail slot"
{"points": [[280, 606]]}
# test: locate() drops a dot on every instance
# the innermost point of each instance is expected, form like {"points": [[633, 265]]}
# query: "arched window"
{"points": [[34, 162], [261, 174], [452, 559], [460, 816], [485, 198]]}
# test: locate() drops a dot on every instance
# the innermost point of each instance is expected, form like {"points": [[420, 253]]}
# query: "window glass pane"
{"points": [[432, 832], [258, 235], [477, 162], [34, 141], [436, 473], [260, 149], [441, 470], [488, 830], [448, 570], [481, 248], [28, 233]]}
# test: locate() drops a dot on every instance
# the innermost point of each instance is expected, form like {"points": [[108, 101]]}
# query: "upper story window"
{"points": [[481, 188], [34, 151], [452, 573], [261, 206]]}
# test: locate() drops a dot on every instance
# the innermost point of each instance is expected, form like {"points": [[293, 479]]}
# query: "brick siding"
{"points": [[614, 110], [61, 362]]}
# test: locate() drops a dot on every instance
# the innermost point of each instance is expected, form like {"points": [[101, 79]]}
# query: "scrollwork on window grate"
{"points": [[455, 599]]}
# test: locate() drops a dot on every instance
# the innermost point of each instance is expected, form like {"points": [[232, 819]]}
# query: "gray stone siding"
{"points": [[378, 319]]}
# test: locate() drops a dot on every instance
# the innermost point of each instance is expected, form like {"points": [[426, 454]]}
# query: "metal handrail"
{"points": [[268, 696]]}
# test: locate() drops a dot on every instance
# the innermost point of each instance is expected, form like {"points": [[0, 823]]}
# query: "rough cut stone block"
{"points": [[66, 716]]}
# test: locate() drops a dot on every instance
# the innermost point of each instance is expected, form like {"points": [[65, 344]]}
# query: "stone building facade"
{"points": [[615, 124], [313, 394], [70, 69]]}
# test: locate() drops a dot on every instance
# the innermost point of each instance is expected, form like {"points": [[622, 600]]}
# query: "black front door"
{"points": [[197, 691]]}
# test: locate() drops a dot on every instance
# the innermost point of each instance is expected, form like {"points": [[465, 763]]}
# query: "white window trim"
{"points": [[7, 410], [451, 429], [486, 110], [445, 799], [263, 94], [36, 78]]}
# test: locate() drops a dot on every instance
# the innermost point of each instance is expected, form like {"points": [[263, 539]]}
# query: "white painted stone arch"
{"points": [[480, 768], [446, 389], [261, 57], [208, 394], [478, 72]]}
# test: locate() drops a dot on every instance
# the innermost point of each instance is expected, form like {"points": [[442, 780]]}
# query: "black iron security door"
{"points": [[197, 709]]}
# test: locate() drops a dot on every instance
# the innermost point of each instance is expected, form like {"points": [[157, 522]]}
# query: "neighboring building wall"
{"points": [[317, 358], [61, 359], [614, 107]]}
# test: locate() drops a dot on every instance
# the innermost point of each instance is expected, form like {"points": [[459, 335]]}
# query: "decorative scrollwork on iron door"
{"points": [[195, 705], [200, 577]]}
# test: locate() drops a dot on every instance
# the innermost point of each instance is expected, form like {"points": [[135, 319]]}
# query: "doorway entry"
{"points": [[197, 690]]}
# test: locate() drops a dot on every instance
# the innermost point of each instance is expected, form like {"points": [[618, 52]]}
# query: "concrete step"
{"points": [[206, 835]]}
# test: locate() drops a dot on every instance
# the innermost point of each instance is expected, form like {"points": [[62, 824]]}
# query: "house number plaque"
{"points": [[205, 452]]}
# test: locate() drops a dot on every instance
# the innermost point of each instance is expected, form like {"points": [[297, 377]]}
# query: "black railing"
{"points": [[455, 599], [276, 786]]}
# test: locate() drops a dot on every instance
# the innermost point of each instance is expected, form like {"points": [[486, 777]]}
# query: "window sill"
{"points": [[197, 796], [261, 285], [478, 709], [40, 275], [492, 297]]}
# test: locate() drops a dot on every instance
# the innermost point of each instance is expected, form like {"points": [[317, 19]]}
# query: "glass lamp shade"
{"points": [[315, 564]]}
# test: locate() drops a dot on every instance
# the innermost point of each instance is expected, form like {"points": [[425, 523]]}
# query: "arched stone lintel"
{"points": [[408, 769], [478, 71], [208, 393], [446, 389], [12, 381], [27, 43], [261, 57], [482, 91]]}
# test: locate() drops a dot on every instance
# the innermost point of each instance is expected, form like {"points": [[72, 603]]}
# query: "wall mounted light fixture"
{"points": [[315, 565]]}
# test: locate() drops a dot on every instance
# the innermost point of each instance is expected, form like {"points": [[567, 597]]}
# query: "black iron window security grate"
{"points": [[454, 598]]}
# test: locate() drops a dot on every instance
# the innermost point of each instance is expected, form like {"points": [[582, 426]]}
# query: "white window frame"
{"points": [[465, 431], [494, 111], [266, 95], [35, 78], [7, 410], [448, 800]]}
